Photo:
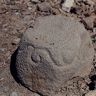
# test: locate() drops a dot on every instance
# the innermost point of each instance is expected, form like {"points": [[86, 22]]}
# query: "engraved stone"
{"points": [[55, 50]]}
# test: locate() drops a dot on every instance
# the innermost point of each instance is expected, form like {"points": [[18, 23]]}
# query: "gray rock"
{"points": [[89, 22], [44, 8], [57, 49], [34, 1], [2, 49], [16, 41], [35, 94], [67, 4], [13, 94]]}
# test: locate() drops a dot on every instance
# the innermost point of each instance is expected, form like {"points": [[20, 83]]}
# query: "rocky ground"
{"points": [[16, 16]]}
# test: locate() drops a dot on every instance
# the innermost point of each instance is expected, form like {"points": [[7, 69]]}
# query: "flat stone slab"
{"points": [[55, 50]]}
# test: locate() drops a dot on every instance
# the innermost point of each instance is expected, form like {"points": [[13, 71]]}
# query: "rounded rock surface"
{"points": [[55, 50]]}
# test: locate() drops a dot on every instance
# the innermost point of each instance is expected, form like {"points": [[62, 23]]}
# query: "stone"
{"points": [[15, 41], [67, 4], [34, 1], [91, 93], [89, 22], [57, 49], [2, 49], [13, 94], [44, 8], [34, 94]]}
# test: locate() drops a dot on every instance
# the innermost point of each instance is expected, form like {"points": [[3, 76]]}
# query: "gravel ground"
{"points": [[16, 16]]}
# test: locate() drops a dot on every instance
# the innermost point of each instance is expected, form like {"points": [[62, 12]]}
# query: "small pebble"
{"points": [[34, 1], [94, 30], [2, 49], [14, 94], [2, 95], [66, 6], [16, 41], [35, 94], [44, 7]]}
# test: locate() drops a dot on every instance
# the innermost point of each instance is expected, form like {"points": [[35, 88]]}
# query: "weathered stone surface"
{"points": [[57, 49], [91, 93]]}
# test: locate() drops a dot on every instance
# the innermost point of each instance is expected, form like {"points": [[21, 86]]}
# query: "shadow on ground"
{"points": [[92, 85], [13, 66]]}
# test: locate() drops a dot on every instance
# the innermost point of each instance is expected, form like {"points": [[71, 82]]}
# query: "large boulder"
{"points": [[55, 50]]}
